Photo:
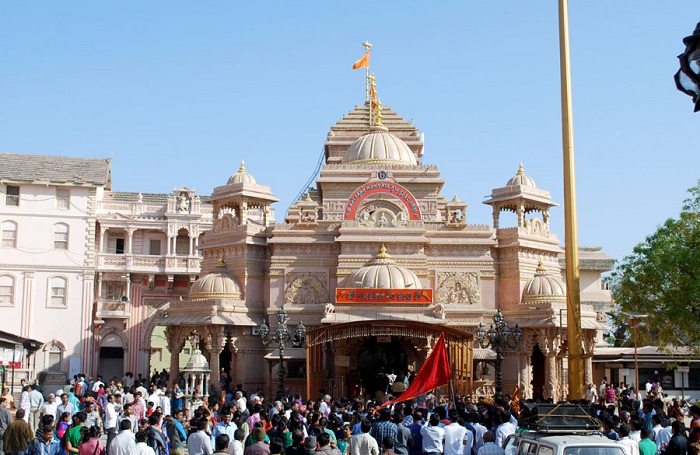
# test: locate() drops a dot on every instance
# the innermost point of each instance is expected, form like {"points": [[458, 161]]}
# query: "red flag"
{"points": [[434, 373], [515, 401], [363, 62]]}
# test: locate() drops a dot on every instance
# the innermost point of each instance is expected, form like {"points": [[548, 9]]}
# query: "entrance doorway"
{"points": [[377, 357], [537, 373], [111, 362]]}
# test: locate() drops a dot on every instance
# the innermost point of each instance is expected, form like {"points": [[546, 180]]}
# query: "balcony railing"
{"points": [[112, 309], [108, 262]]}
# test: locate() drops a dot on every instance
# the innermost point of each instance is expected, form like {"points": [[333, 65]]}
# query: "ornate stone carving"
{"points": [[439, 311], [458, 287], [306, 288], [330, 309]]}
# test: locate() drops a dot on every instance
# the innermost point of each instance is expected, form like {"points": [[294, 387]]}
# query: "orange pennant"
{"points": [[363, 62]]}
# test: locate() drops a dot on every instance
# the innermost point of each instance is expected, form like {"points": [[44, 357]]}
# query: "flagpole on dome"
{"points": [[364, 62]]}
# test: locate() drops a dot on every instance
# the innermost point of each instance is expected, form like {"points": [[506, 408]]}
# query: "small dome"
{"points": [[379, 146], [197, 362], [216, 285], [521, 178], [382, 273], [544, 288], [241, 176]]}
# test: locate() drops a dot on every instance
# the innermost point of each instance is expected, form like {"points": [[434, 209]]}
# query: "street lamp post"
{"points": [[634, 321], [499, 336], [282, 336]]}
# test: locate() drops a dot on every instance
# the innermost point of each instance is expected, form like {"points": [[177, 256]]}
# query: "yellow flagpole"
{"points": [[573, 294]]}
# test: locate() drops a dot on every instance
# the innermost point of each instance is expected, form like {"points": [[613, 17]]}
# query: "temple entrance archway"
{"points": [[376, 358], [394, 343]]}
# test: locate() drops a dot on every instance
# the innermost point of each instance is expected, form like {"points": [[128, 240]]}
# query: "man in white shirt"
{"points": [[632, 447], [241, 403], [325, 408], [505, 429], [660, 434], [199, 442], [124, 442], [111, 414], [363, 443], [49, 407], [141, 448], [433, 436], [458, 440]]}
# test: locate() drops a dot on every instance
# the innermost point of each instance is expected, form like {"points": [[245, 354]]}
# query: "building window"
{"points": [[115, 245], [12, 196], [55, 360], [58, 292], [7, 290], [8, 237], [60, 236], [154, 247], [111, 290], [62, 198]]}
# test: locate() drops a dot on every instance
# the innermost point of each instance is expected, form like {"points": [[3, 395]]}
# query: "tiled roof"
{"points": [[55, 169]]}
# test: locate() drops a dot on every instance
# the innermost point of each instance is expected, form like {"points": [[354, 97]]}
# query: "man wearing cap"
{"points": [[259, 447]]}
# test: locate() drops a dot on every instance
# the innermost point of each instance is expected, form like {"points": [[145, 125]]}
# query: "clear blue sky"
{"points": [[180, 92]]}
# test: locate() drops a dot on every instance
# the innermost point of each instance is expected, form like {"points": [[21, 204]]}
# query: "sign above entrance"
{"points": [[401, 296], [381, 185]]}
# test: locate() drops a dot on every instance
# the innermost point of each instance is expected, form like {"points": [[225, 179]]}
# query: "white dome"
{"points": [[241, 176], [543, 288], [382, 273], [379, 146], [216, 285], [197, 362], [521, 179]]}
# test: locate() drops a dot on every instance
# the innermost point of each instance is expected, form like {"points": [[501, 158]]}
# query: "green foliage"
{"points": [[661, 278]]}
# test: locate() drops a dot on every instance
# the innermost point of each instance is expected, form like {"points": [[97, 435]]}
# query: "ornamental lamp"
{"points": [[688, 76]]}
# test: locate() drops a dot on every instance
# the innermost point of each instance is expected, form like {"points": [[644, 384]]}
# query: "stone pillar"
{"points": [[175, 338], [130, 241], [496, 216], [521, 216], [550, 373], [524, 379], [215, 345], [243, 208]]}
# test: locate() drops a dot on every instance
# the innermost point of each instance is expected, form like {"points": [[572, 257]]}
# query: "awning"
{"points": [[342, 318], [237, 319], [289, 354], [9, 340], [484, 354]]}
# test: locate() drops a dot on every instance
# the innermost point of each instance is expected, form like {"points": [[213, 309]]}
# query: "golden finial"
{"points": [[221, 260], [242, 169], [382, 253], [521, 170], [540, 267], [307, 197], [378, 113]]}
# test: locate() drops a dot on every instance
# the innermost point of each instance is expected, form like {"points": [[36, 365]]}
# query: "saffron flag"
{"points": [[363, 62], [434, 373], [515, 401]]}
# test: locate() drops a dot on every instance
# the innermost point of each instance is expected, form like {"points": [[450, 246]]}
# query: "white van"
{"points": [[534, 443]]}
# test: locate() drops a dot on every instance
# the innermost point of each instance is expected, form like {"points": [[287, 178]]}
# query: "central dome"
{"points": [[521, 179], [382, 273], [216, 285], [242, 176], [379, 146]]}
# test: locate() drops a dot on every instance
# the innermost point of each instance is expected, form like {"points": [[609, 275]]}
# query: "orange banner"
{"points": [[401, 296]]}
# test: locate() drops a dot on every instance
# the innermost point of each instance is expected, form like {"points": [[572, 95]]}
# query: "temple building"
{"points": [[375, 261]]}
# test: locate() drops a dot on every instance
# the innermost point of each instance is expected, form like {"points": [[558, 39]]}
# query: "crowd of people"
{"points": [[143, 416]]}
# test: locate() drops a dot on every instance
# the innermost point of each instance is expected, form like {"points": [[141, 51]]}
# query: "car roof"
{"points": [[578, 439]]}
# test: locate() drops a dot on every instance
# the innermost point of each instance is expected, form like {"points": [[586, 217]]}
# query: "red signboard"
{"points": [[382, 187], [400, 296]]}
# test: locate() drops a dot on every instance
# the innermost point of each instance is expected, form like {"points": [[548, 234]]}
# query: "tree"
{"points": [[661, 278]]}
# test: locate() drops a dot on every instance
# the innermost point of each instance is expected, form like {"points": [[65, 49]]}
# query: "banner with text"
{"points": [[402, 296]]}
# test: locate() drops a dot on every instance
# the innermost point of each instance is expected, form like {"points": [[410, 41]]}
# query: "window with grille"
{"points": [[8, 237], [154, 247], [57, 294], [60, 236], [112, 291], [7, 288], [12, 196], [62, 198], [55, 357]]}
